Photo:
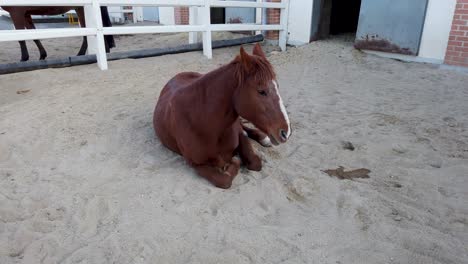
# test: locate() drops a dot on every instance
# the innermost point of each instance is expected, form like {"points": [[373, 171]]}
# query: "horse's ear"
{"points": [[257, 50], [246, 60]]}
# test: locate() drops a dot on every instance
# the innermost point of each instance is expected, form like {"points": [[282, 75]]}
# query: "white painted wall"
{"points": [[114, 13], [138, 13], [166, 15], [436, 30], [300, 21]]}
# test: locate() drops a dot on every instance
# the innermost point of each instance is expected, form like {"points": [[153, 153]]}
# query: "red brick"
{"points": [[459, 59], [455, 43], [273, 17], [458, 33], [181, 15], [463, 28], [462, 49], [453, 53], [460, 11], [461, 38], [459, 22]]}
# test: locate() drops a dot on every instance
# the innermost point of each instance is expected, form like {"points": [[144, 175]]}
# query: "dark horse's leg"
{"points": [[24, 51], [251, 160], [30, 25], [106, 22], [19, 23], [108, 40], [81, 18]]}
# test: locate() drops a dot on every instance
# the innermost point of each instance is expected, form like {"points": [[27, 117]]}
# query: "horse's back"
{"points": [[180, 81], [164, 113]]}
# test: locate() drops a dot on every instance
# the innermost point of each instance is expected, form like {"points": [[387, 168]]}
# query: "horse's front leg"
{"points": [[84, 47], [248, 156], [24, 51], [19, 21], [258, 136], [220, 177], [30, 25]]}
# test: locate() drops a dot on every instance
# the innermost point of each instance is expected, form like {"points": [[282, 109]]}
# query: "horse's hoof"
{"points": [[255, 164], [266, 142], [224, 186], [25, 59], [43, 57]]}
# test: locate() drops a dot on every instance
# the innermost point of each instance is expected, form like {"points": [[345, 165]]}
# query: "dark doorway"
{"points": [[218, 15], [344, 16], [337, 17]]}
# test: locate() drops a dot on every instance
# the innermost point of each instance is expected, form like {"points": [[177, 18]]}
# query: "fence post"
{"points": [[258, 17], [283, 34], [207, 51], [193, 20], [96, 43]]}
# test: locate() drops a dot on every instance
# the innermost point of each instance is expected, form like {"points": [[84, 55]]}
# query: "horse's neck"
{"points": [[217, 89]]}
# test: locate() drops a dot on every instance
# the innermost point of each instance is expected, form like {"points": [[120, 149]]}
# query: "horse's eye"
{"points": [[262, 93]]}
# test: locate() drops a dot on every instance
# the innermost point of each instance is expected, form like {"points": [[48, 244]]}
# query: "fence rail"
{"points": [[95, 31]]}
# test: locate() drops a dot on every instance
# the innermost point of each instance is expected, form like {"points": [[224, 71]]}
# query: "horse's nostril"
{"points": [[283, 135]]}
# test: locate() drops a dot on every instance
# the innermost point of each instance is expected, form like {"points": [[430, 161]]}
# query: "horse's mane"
{"points": [[261, 71]]}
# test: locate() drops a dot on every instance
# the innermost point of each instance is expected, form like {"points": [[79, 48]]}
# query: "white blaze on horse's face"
{"points": [[283, 109]]}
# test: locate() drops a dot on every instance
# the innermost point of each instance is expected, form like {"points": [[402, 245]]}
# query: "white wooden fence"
{"points": [[95, 31]]}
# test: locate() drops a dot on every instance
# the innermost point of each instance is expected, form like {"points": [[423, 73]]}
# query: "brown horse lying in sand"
{"points": [[198, 116]]}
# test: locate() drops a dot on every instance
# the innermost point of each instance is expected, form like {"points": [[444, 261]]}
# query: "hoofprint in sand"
{"points": [[84, 180]]}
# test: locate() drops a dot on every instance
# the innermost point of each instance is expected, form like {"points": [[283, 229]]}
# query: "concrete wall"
{"points": [[436, 30], [166, 15], [300, 21], [315, 21]]}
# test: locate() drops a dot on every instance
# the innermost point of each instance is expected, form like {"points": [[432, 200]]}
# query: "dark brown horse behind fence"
{"points": [[198, 116], [21, 18]]}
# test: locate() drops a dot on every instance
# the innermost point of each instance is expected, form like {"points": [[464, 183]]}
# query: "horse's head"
{"points": [[258, 99]]}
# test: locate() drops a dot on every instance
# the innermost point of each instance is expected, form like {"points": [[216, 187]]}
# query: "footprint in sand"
{"points": [[95, 214], [21, 239], [120, 116]]}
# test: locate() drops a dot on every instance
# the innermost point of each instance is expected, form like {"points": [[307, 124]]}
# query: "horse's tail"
{"points": [[106, 22]]}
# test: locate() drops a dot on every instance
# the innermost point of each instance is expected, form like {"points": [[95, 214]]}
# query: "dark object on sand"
{"points": [[341, 174]]}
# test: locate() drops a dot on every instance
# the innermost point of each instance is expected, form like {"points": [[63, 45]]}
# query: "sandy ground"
{"points": [[84, 180]]}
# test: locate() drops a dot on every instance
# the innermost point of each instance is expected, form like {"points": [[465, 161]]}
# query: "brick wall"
{"points": [[273, 17], [457, 50], [181, 15]]}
